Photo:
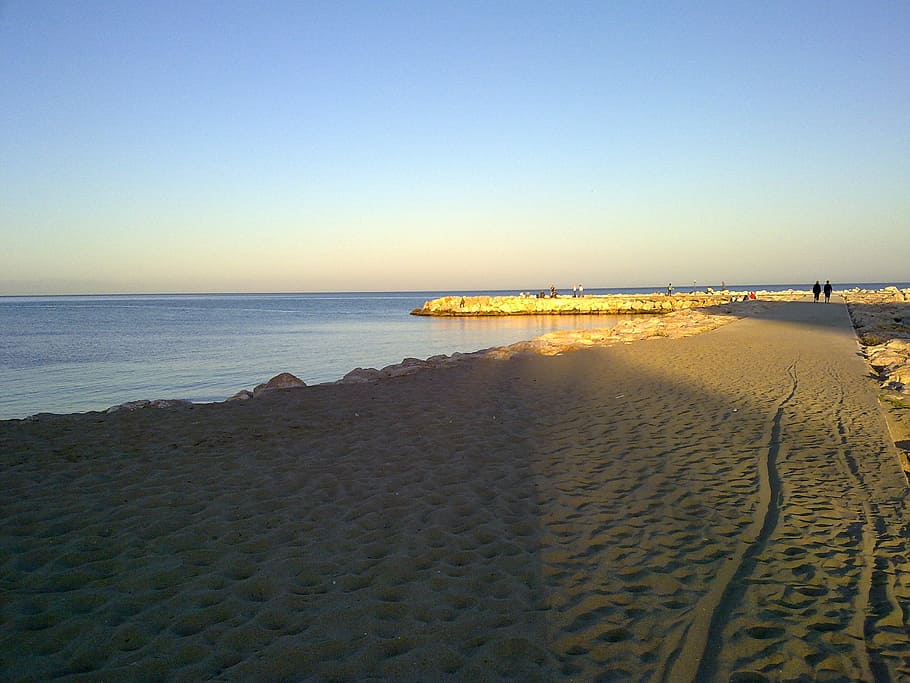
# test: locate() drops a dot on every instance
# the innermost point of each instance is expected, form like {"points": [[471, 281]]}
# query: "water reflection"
{"points": [[471, 334]]}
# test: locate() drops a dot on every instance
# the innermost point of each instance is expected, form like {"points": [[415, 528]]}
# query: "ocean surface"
{"points": [[65, 354]]}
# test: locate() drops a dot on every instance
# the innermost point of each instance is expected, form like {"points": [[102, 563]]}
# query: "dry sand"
{"points": [[726, 506]]}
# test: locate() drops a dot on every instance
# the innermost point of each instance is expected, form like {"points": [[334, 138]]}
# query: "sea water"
{"points": [[80, 353]]}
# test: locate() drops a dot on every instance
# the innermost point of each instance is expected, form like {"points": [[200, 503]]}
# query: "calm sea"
{"points": [[68, 354]]}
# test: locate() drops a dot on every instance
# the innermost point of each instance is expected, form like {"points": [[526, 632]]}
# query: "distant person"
{"points": [[816, 290], [669, 289], [581, 291], [828, 289]]}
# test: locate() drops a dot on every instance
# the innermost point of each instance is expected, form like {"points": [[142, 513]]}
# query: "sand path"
{"points": [[725, 506], [749, 517]]}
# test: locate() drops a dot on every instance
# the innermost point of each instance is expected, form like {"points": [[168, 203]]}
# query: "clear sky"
{"points": [[195, 146]]}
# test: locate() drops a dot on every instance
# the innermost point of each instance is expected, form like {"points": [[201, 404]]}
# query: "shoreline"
{"points": [[682, 322], [686, 320], [884, 344]]}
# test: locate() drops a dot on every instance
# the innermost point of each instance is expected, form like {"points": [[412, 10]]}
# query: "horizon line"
{"points": [[659, 288]]}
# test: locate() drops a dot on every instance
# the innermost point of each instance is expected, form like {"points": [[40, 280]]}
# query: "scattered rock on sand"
{"points": [[130, 406]]}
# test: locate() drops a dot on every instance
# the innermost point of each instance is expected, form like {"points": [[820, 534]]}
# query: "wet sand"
{"points": [[726, 506]]}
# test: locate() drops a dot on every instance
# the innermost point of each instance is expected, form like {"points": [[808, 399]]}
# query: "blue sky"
{"points": [[316, 146]]}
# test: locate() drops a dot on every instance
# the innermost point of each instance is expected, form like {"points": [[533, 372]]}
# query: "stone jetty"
{"points": [[609, 304]]}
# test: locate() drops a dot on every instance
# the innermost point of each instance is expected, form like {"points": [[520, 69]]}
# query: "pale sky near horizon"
{"points": [[176, 146]]}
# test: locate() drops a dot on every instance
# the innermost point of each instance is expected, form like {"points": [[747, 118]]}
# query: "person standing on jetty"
{"points": [[816, 290], [828, 289], [669, 289]]}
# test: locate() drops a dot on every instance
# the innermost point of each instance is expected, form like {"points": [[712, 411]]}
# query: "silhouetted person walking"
{"points": [[828, 289], [816, 290]]}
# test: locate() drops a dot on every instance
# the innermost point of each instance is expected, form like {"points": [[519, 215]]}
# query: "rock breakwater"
{"points": [[609, 304]]}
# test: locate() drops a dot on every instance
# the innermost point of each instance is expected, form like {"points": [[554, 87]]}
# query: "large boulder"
{"points": [[361, 376], [893, 352], [891, 361], [406, 367], [898, 377], [283, 381]]}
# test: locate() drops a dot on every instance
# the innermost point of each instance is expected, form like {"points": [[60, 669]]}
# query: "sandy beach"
{"points": [[728, 506]]}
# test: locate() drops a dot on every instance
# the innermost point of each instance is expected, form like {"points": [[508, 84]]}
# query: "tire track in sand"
{"points": [[876, 589], [695, 659], [873, 669]]}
